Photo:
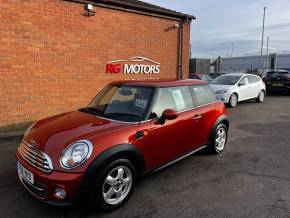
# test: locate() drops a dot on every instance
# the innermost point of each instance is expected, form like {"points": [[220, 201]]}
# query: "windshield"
{"points": [[207, 78], [123, 103], [226, 80]]}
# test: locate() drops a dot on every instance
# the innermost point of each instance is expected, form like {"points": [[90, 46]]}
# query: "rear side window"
{"points": [[253, 79], [203, 94], [178, 98]]}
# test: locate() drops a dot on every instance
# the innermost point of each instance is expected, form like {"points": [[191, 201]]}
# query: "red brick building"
{"points": [[55, 58]]}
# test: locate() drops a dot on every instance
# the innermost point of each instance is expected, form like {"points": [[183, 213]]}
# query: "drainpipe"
{"points": [[180, 51]]}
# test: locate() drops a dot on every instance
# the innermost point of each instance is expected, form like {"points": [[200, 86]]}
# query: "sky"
{"points": [[221, 23]]}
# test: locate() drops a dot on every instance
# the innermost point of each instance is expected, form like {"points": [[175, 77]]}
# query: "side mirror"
{"points": [[168, 114]]}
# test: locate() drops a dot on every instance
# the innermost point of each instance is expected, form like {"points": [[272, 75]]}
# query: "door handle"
{"points": [[197, 117]]}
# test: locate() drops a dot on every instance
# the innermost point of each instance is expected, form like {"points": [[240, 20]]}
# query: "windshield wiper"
{"points": [[92, 109]]}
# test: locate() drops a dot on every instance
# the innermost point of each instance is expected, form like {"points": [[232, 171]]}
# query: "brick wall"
{"points": [[53, 59]]}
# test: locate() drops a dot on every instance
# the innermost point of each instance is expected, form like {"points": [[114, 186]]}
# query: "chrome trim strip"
{"points": [[30, 153], [178, 159], [144, 121], [34, 164], [197, 107], [48, 160], [29, 189], [35, 157], [39, 189]]}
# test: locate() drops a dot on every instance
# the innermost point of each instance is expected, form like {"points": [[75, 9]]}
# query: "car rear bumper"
{"points": [[44, 185], [282, 87]]}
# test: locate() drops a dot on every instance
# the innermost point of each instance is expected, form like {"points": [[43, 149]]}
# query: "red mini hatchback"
{"points": [[129, 129]]}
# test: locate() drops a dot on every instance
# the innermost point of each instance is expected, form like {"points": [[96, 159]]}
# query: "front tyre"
{"points": [[233, 100], [219, 139], [114, 184], [261, 96]]}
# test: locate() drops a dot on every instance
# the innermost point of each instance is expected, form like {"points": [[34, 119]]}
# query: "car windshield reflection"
{"points": [[123, 103], [226, 80]]}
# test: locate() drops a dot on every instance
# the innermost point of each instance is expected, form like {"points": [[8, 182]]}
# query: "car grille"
{"points": [[35, 157]]}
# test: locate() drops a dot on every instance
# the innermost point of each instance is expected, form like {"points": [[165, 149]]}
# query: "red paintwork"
{"points": [[170, 114], [162, 144], [196, 75], [161, 82]]}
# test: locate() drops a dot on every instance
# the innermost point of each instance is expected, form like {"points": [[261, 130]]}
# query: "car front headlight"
{"points": [[76, 154], [221, 91]]}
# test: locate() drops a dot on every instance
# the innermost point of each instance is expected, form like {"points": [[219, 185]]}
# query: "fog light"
{"points": [[60, 193]]}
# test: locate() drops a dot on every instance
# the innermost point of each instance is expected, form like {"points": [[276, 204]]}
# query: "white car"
{"points": [[235, 87]]}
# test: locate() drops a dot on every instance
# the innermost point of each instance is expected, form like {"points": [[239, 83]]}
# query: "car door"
{"points": [[254, 86], [204, 100], [243, 89], [168, 141]]}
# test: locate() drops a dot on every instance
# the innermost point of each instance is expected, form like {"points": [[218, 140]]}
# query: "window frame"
{"points": [[154, 100], [195, 100], [242, 78], [256, 78], [146, 112]]}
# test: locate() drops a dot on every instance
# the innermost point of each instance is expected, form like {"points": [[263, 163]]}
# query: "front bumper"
{"points": [[44, 185]]}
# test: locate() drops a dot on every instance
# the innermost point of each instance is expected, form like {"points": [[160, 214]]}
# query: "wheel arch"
{"points": [[237, 94], [121, 151], [223, 119]]}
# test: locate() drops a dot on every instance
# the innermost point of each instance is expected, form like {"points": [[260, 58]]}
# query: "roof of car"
{"points": [[160, 82], [234, 74], [238, 74]]}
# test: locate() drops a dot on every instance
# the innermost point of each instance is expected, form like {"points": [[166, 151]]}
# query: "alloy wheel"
{"points": [[221, 138], [117, 185], [233, 100], [261, 96]]}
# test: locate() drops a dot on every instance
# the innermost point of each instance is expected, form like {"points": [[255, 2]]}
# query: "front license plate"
{"points": [[25, 174], [277, 84]]}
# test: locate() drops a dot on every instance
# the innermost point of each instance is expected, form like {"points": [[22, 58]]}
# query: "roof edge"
{"points": [[161, 11]]}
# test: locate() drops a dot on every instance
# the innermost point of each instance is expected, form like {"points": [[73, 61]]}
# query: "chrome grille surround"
{"points": [[35, 157]]}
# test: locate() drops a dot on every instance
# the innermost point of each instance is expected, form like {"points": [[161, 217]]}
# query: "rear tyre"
{"points": [[233, 100], [218, 139], [114, 185], [261, 97]]}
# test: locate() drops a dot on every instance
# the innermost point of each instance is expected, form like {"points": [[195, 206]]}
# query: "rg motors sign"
{"points": [[134, 65]]}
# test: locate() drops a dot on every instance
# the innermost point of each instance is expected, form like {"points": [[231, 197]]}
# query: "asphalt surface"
{"points": [[251, 179]]}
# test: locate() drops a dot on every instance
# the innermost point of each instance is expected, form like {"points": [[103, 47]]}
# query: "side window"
{"points": [[207, 78], [258, 79], [245, 80], [203, 94], [178, 98], [253, 79]]}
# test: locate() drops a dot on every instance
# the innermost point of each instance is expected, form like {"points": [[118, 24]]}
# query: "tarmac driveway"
{"points": [[251, 179]]}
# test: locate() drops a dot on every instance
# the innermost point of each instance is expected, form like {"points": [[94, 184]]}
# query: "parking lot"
{"points": [[251, 179]]}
